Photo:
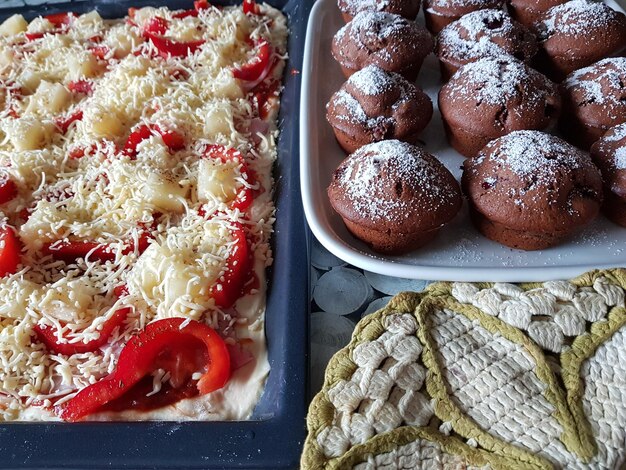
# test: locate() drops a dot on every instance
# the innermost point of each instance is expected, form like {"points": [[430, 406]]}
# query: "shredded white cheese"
{"points": [[78, 185]]}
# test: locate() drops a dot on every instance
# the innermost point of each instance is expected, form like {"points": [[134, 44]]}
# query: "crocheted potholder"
{"points": [[477, 376]]}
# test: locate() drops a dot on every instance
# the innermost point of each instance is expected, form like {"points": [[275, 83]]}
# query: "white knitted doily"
{"points": [[486, 380]]}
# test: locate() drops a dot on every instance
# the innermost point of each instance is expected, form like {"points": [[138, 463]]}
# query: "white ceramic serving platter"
{"points": [[460, 253]]}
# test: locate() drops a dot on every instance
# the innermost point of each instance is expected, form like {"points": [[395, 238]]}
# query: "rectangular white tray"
{"points": [[460, 253]]}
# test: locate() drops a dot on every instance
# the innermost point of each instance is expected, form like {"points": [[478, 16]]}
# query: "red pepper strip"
{"points": [[184, 14], [229, 287], [70, 251], [8, 189], [245, 197], [77, 153], [253, 70], [173, 140], [64, 123], [81, 86], [59, 19], [263, 95], [201, 5], [10, 248], [46, 334], [168, 48], [157, 25], [100, 52], [250, 6], [120, 291], [141, 356], [138, 135]]}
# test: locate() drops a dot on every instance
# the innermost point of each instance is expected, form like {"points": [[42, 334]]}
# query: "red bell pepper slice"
{"points": [[64, 123], [46, 334], [100, 52], [172, 139], [59, 19], [157, 25], [184, 14], [10, 248], [151, 349], [84, 87], [71, 250], [245, 196], [262, 97], [230, 286], [253, 70], [168, 48], [201, 5], [76, 153], [8, 189], [140, 134], [250, 7], [120, 291]]}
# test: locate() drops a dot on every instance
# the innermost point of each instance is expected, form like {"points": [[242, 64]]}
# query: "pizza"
{"points": [[136, 210]]}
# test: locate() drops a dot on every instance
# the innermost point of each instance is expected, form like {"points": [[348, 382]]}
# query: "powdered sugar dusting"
{"points": [[537, 154], [617, 133], [352, 7], [576, 17], [620, 158], [471, 37], [496, 81], [463, 3], [355, 111], [371, 81], [602, 82], [374, 24], [371, 194], [374, 81]]}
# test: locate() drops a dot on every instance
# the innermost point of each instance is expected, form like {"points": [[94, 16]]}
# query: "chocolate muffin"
{"points": [[406, 8], [528, 12], [389, 41], [531, 190], [482, 33], [609, 154], [577, 34], [394, 196], [375, 105], [491, 97], [439, 13], [594, 100]]}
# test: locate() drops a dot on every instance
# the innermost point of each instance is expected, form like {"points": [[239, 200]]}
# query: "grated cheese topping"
{"points": [[77, 185]]}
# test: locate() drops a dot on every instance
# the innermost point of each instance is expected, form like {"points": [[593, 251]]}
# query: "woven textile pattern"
{"points": [[480, 376], [493, 381], [604, 401], [418, 455]]}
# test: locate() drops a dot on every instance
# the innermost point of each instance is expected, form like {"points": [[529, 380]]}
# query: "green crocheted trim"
{"points": [[577, 434], [321, 411], [341, 367], [383, 443], [436, 384], [584, 347]]}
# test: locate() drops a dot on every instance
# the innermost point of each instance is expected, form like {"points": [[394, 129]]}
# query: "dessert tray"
{"points": [[460, 252], [480, 376]]}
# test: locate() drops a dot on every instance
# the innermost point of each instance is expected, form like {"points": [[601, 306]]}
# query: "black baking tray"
{"points": [[273, 437]]}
